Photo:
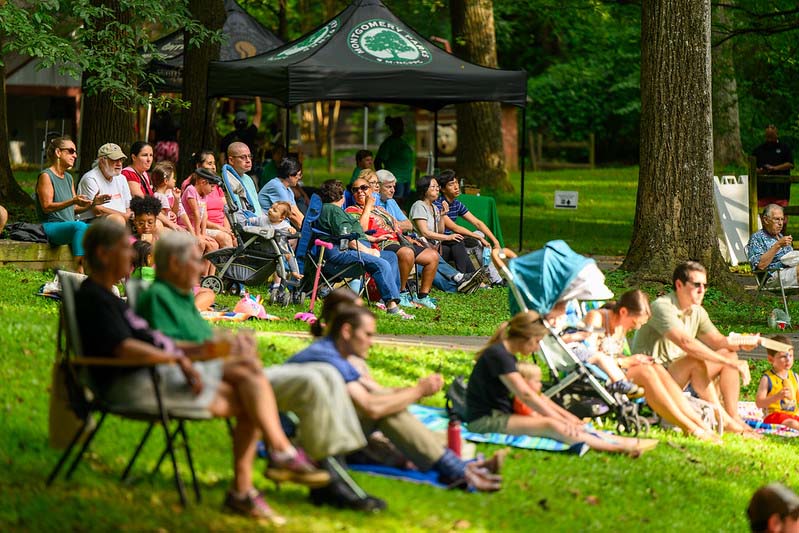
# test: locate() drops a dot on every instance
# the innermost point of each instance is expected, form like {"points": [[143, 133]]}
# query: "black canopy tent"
{"points": [[245, 37], [367, 54]]}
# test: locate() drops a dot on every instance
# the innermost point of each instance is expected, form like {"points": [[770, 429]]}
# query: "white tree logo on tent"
{"points": [[382, 41], [317, 38]]}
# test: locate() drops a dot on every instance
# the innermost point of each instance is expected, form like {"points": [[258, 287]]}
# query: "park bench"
{"points": [[34, 256]]}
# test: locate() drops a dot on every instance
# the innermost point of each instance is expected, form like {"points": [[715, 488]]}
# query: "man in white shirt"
{"points": [[106, 180]]}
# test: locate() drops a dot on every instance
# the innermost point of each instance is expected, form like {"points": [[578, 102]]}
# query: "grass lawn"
{"points": [[672, 487]]}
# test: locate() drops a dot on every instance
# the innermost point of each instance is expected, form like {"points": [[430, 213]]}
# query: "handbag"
{"points": [[456, 398], [791, 259]]}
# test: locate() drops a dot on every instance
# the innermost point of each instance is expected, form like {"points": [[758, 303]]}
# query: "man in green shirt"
{"points": [[396, 155], [328, 423], [681, 337]]}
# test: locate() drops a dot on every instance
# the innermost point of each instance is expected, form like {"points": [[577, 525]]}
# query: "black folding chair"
{"points": [[85, 401]]}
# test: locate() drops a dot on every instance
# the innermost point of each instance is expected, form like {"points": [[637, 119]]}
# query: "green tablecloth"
{"points": [[485, 209]]}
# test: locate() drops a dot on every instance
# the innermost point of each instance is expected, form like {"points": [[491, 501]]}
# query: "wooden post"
{"points": [[533, 157], [539, 148], [752, 195], [591, 151]]}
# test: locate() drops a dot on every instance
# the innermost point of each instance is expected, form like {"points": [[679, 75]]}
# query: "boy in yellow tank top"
{"points": [[777, 392]]}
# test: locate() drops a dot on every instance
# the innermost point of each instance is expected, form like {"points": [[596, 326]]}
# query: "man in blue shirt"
{"points": [[278, 189], [382, 409], [767, 247]]}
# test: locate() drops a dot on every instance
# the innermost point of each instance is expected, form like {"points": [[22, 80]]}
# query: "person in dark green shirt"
{"points": [[381, 264], [397, 156], [363, 159]]}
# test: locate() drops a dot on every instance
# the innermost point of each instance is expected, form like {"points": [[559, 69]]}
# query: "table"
{"points": [[483, 208]]}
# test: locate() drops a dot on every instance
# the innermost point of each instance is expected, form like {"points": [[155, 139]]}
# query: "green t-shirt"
{"points": [[355, 173], [666, 315], [396, 155], [173, 313], [268, 171], [334, 221]]}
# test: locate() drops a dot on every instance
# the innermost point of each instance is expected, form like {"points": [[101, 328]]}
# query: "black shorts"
{"points": [[394, 247]]}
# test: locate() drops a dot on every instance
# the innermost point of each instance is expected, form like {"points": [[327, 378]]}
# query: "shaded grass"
{"points": [[673, 487]]}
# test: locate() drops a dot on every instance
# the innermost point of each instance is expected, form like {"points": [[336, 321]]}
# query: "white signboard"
{"points": [[565, 199]]}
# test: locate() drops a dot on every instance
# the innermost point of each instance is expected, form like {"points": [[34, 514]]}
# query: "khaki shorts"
{"points": [[496, 422]]}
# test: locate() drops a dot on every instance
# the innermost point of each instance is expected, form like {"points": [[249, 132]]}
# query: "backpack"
{"points": [[26, 232], [456, 398]]}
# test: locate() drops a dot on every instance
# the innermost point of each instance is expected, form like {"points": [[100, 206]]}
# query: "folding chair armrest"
{"points": [[115, 362]]}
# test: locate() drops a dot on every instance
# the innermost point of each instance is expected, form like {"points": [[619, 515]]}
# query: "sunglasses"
{"points": [[68, 150], [361, 188]]}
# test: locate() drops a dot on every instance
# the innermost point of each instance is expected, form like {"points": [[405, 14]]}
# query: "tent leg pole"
{"points": [[149, 117], [435, 141], [365, 126], [286, 129], [522, 151]]}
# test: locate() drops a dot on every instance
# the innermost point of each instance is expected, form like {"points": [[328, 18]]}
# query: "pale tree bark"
{"points": [[10, 191], [727, 149], [102, 121], [674, 218], [198, 130], [480, 156]]}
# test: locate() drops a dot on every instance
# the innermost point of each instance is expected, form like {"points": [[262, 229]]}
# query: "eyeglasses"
{"points": [[70, 151], [241, 156], [363, 188], [696, 284]]}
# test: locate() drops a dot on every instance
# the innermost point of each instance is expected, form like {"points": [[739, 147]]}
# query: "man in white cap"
{"points": [[105, 180], [681, 337]]}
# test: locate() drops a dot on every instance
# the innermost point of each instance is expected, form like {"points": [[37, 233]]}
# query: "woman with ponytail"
{"points": [[615, 320], [495, 379]]}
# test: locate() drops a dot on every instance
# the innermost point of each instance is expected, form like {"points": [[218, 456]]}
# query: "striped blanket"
{"points": [[436, 419], [753, 416]]}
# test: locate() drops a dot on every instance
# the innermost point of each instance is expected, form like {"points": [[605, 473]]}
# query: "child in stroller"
{"points": [[278, 215]]}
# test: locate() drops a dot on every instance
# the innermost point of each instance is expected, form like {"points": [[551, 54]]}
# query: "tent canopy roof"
{"points": [[245, 38], [365, 53]]}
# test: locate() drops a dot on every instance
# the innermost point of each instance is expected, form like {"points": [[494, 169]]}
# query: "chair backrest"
{"points": [[134, 288], [307, 235], [250, 193], [70, 283]]}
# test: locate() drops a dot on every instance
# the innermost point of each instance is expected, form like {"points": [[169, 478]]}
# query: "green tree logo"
{"points": [[317, 38], [388, 41], [381, 41]]}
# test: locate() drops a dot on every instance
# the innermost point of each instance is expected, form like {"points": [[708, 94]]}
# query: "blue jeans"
{"points": [[383, 269], [444, 277], [70, 233]]}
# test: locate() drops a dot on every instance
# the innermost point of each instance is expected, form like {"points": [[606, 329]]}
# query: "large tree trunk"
{"points": [[10, 191], [727, 149], [102, 121], [480, 156], [674, 219], [197, 129]]}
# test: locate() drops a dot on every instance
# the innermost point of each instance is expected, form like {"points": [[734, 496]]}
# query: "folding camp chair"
{"points": [[762, 277], [85, 402]]}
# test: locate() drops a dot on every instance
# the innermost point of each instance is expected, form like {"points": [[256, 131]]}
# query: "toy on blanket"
{"points": [[251, 306]]}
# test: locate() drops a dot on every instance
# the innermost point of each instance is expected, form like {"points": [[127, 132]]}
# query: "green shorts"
{"points": [[496, 422]]}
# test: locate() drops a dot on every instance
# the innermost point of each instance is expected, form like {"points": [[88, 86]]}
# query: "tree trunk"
{"points": [[674, 219], [727, 149], [103, 121], [198, 130], [480, 156], [10, 191]]}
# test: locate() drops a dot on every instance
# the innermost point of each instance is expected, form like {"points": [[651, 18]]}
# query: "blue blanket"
{"points": [[436, 419], [414, 476]]}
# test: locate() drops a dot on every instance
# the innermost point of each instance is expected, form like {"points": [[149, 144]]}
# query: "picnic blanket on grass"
{"points": [[753, 416], [435, 418], [414, 476]]}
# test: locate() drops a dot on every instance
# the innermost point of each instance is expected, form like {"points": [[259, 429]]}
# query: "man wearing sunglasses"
{"points": [[681, 337]]}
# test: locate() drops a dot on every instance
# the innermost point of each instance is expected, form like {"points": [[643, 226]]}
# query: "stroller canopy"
{"points": [[543, 275]]}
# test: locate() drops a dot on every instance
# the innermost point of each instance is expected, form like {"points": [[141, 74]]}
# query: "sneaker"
{"points": [[298, 469], [426, 301], [397, 311], [252, 505], [406, 300], [470, 282], [628, 388]]}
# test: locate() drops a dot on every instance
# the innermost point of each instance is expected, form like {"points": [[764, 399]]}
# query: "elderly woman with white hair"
{"points": [[234, 387]]}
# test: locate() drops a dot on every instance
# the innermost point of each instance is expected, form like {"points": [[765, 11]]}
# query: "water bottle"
{"points": [[454, 434], [486, 255]]}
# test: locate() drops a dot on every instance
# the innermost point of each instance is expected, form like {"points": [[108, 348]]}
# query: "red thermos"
{"points": [[454, 435]]}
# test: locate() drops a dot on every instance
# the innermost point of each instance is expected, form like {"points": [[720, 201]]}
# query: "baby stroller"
{"points": [[538, 281], [256, 256]]}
